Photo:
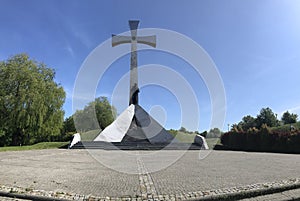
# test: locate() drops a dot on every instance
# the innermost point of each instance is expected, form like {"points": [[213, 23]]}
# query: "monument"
{"points": [[134, 124], [133, 40], [134, 128]]}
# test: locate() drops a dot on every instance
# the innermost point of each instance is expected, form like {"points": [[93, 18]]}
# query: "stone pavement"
{"points": [[79, 172]]}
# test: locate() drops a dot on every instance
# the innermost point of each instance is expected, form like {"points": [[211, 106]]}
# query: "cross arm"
{"points": [[117, 40], [147, 40]]}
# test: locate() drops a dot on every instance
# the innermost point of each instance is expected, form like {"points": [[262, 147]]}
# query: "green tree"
{"points": [[86, 120], [289, 118], [247, 122], [214, 133], [68, 129], [173, 132], [182, 129], [105, 112], [30, 101], [266, 116], [69, 125], [97, 114]]}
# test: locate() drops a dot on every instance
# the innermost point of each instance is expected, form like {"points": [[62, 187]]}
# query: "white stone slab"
{"points": [[76, 138], [201, 141], [117, 130]]}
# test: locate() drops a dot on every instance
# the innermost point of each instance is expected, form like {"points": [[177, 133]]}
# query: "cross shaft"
{"points": [[133, 40]]}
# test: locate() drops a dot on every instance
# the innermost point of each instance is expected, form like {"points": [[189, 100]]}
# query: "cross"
{"points": [[133, 39]]}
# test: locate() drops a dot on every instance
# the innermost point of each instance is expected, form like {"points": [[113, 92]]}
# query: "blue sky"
{"points": [[255, 45]]}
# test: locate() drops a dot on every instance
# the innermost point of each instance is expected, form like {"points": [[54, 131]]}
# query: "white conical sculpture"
{"points": [[76, 138], [135, 125], [200, 140], [117, 130]]}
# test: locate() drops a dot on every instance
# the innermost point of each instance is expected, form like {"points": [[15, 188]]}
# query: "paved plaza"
{"points": [[82, 172]]}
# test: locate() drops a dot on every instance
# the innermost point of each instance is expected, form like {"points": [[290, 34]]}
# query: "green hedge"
{"points": [[264, 139]]}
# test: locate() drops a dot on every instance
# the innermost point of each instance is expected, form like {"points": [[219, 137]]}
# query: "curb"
{"points": [[222, 197], [29, 197], [248, 194]]}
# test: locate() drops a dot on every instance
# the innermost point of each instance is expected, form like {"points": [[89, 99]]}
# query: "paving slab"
{"points": [[64, 170], [223, 169], [78, 171]]}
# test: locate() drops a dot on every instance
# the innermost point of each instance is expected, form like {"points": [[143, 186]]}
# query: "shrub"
{"points": [[263, 139]]}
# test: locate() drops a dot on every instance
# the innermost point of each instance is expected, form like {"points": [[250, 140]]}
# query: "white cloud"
{"points": [[79, 32], [70, 50], [295, 110]]}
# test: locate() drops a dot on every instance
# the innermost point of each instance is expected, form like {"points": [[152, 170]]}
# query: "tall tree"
{"points": [[30, 101], [182, 129], [105, 112], [97, 114], [289, 118], [69, 125], [266, 116], [214, 133], [247, 122]]}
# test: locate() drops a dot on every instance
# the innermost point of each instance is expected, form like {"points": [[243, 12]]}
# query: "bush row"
{"points": [[263, 139]]}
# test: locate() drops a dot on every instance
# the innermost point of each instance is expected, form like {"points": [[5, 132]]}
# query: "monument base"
{"points": [[135, 125], [135, 129], [136, 146]]}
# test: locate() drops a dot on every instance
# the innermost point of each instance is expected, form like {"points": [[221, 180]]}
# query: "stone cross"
{"points": [[133, 39]]}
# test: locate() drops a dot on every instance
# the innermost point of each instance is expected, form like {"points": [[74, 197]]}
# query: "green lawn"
{"points": [[211, 142], [189, 138], [185, 137], [89, 135], [42, 145]]}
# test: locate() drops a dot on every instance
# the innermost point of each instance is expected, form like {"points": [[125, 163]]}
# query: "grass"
{"points": [[189, 138], [89, 135], [211, 142], [185, 137], [42, 145]]}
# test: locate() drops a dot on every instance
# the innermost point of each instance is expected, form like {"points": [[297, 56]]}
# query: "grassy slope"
{"points": [[189, 138], [42, 145], [211, 142], [185, 137], [89, 135]]}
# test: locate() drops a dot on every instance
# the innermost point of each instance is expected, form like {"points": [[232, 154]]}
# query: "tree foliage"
{"points": [[97, 114], [183, 129], [247, 123], [289, 118], [214, 133], [266, 116], [69, 125], [30, 102], [173, 132]]}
